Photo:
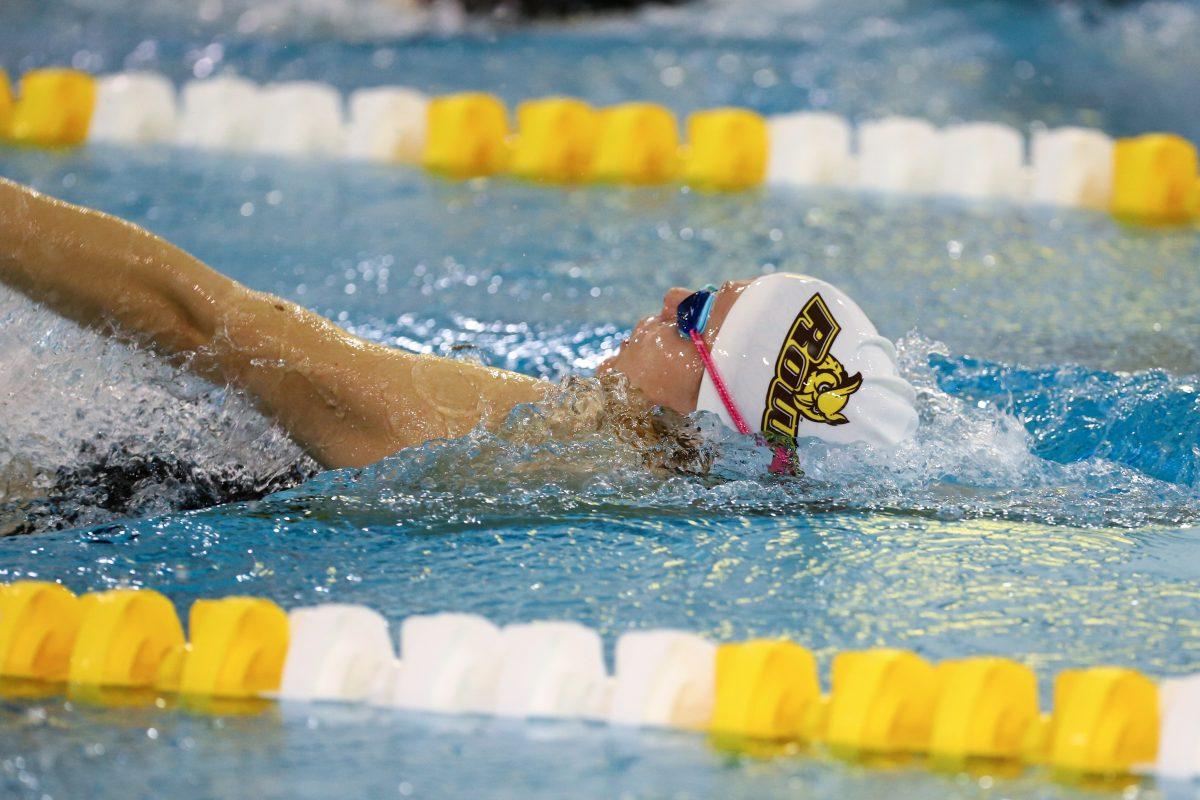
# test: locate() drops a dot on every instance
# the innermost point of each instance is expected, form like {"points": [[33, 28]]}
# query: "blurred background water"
{"points": [[1046, 512]]}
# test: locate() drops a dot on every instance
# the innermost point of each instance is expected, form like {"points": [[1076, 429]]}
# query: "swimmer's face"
{"points": [[663, 364]]}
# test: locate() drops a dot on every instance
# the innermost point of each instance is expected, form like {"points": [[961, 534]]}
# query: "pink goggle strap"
{"points": [[782, 463]]}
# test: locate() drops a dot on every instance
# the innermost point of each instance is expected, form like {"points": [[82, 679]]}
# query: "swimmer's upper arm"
{"points": [[97, 269], [350, 402]]}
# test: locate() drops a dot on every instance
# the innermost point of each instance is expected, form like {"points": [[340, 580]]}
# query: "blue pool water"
{"points": [[1047, 511]]}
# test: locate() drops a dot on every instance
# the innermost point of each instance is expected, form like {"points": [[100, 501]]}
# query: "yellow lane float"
{"points": [[236, 648], [556, 139], [761, 696], [1154, 178], [984, 709], [765, 689], [6, 103], [124, 635], [38, 625], [466, 135], [881, 701], [53, 108], [1105, 721], [1151, 179], [637, 143], [727, 149]]}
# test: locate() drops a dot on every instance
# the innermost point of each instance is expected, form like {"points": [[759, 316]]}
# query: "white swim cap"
{"points": [[801, 359]]}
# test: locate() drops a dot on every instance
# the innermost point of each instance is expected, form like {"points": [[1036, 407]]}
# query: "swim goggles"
{"points": [[691, 317]]}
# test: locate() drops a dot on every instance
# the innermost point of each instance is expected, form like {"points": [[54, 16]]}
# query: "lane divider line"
{"points": [[1104, 721], [1148, 179]]}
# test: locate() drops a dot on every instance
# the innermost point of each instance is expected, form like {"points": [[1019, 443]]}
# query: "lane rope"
{"points": [[1151, 179], [1104, 720]]}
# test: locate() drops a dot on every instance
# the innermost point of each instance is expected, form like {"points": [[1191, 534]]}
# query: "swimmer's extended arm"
{"points": [[347, 401]]}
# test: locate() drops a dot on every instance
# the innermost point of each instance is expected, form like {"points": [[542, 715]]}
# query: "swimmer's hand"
{"points": [[347, 401]]}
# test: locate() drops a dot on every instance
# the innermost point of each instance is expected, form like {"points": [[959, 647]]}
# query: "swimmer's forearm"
{"points": [[97, 269]]}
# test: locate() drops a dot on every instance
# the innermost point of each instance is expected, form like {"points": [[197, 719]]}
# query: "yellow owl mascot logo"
{"points": [[809, 382]]}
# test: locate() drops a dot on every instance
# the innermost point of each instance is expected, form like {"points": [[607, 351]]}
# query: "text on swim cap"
{"points": [[809, 382]]}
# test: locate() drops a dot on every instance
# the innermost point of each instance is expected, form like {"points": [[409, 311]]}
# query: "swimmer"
{"points": [[780, 357]]}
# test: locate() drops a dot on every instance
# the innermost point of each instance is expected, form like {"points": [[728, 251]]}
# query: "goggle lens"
{"points": [[692, 313]]}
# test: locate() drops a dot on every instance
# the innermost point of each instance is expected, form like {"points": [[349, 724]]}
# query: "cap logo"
{"points": [[809, 382]]}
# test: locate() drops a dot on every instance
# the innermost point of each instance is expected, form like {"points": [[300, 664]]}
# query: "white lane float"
{"points": [[1072, 167], [1179, 734], [387, 124], [133, 108], [981, 160], [219, 114], [551, 669], [336, 652], [449, 664], [898, 154], [809, 148], [299, 118], [664, 679]]}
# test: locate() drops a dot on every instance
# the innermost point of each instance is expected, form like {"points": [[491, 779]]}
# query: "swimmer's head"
{"points": [[799, 357], [663, 364]]}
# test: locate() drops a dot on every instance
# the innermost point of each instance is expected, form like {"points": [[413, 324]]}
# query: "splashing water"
{"points": [[96, 430], [970, 459]]}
